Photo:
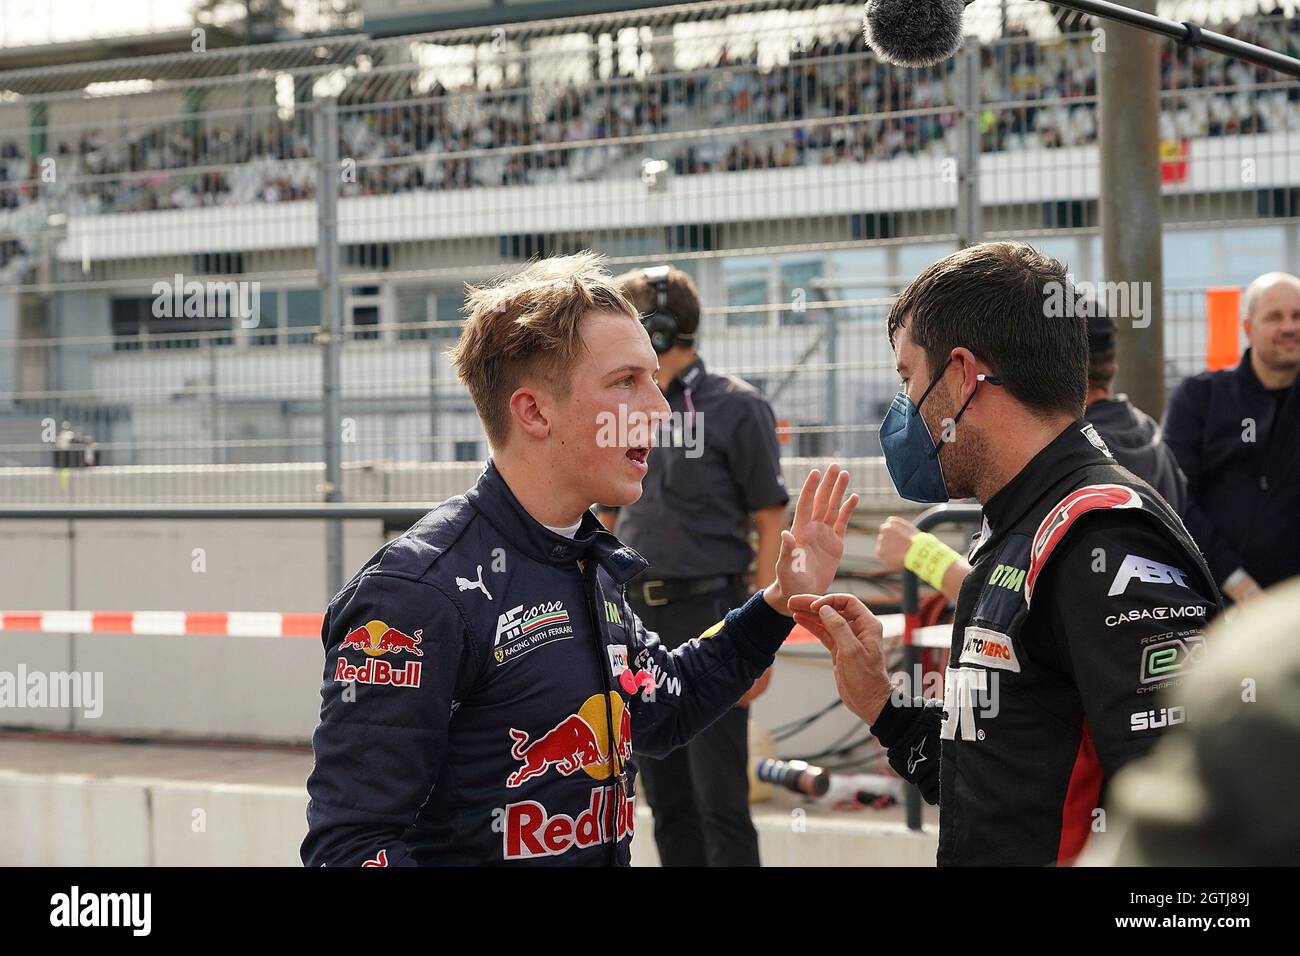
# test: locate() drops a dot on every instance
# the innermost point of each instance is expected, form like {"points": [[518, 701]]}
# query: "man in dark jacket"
{"points": [[1132, 435], [485, 680], [1085, 594], [1236, 434]]}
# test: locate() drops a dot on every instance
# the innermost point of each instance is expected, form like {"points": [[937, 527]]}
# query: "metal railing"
{"points": [[758, 145]]}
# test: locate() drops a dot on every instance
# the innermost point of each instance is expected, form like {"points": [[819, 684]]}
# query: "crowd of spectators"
{"points": [[831, 102]]}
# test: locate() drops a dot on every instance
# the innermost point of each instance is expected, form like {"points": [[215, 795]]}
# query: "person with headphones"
{"points": [[714, 476]]}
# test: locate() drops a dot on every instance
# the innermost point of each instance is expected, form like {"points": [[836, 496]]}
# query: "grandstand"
{"points": [[799, 179]]}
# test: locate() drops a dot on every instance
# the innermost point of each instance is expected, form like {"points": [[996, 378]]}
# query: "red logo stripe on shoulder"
{"points": [[1057, 523]]}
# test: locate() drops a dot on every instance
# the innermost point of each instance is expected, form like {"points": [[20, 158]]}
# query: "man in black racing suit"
{"points": [[1086, 595]]}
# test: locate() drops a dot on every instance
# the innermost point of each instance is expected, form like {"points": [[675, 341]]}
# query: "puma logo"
{"points": [[465, 584]]}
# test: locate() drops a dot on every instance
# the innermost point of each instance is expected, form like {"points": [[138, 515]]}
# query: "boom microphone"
{"points": [[914, 32]]}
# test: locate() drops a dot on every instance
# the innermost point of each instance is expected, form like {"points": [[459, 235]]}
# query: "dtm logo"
{"points": [[578, 742], [1165, 660], [1005, 576], [1155, 719], [965, 688], [1144, 569], [376, 638]]}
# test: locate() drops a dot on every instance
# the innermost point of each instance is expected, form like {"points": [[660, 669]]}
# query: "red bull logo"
{"points": [[378, 672], [578, 742], [375, 638], [531, 832]]}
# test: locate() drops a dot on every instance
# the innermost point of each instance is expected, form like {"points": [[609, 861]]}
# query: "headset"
{"points": [[662, 323]]}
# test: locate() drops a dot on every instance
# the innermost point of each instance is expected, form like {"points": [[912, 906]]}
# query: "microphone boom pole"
{"points": [[1187, 34]]}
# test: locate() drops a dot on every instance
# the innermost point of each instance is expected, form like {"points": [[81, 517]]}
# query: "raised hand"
{"points": [[812, 548]]}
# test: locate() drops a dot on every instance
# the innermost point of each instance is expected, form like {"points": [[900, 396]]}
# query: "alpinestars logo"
{"points": [[916, 756]]}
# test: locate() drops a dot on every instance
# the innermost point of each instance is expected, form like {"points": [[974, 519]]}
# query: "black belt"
{"points": [[659, 593]]}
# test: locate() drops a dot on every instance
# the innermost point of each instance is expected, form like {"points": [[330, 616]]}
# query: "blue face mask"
{"points": [[910, 453]]}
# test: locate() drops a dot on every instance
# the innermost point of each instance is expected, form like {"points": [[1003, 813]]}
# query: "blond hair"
{"points": [[529, 324]]}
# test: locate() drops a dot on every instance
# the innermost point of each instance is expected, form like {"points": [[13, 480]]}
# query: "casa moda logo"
{"points": [[375, 639]]}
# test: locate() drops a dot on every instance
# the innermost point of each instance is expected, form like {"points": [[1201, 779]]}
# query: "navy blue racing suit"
{"points": [[474, 669]]}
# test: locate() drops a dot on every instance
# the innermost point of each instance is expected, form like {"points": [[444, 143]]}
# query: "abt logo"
{"points": [[1144, 569], [964, 690]]}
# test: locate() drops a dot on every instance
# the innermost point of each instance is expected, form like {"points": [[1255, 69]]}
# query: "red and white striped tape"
{"points": [[277, 624], [164, 623]]}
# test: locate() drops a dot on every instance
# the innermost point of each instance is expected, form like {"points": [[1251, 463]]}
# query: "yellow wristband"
{"points": [[929, 559]]}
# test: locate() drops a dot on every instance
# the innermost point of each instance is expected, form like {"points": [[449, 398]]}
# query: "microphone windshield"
{"points": [[914, 32]]}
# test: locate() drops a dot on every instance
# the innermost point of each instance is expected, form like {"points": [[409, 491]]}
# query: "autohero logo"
{"points": [[519, 632], [76, 909], [989, 649], [578, 742], [1194, 611], [1166, 656], [376, 639], [1157, 719], [1147, 571]]}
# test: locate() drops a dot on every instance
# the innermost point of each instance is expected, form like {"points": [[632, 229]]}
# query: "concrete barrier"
{"points": [[80, 820]]}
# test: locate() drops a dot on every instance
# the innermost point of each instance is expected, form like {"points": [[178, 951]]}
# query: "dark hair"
{"points": [[1101, 369], [1101, 345], [529, 323], [993, 298], [683, 298]]}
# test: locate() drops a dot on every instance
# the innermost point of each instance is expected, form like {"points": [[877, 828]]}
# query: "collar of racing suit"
{"points": [[1067, 452], [494, 500]]}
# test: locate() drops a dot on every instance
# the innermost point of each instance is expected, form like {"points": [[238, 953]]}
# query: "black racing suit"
{"points": [[1085, 597]]}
